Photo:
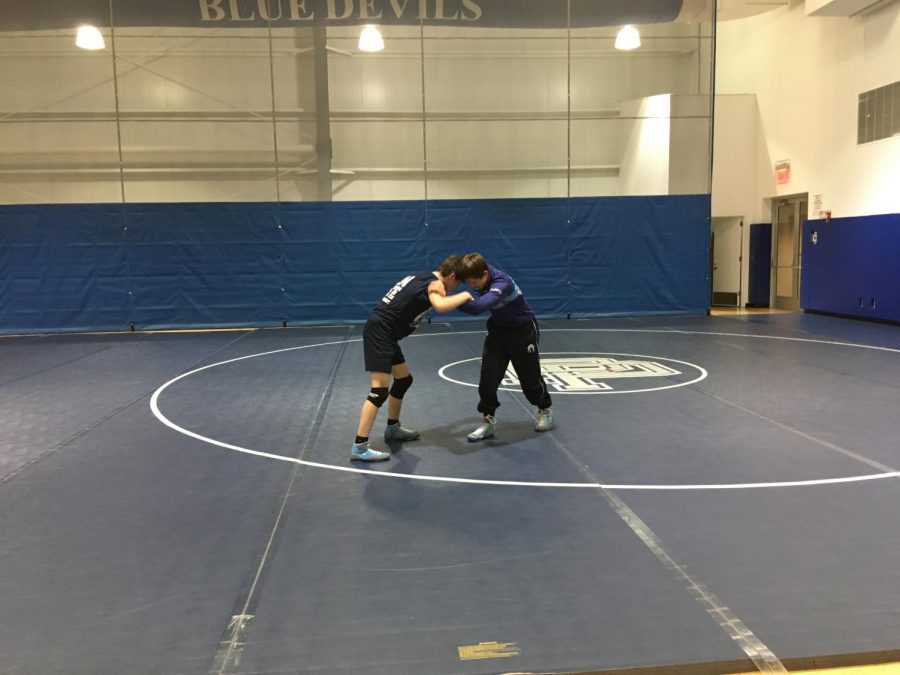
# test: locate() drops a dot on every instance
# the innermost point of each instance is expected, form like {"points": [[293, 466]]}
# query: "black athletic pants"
{"points": [[518, 344]]}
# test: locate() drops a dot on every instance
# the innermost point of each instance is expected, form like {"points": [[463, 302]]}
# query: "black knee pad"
{"points": [[378, 396], [398, 389]]}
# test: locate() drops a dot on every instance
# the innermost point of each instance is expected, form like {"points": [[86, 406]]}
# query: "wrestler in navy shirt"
{"points": [[396, 316], [404, 305]]}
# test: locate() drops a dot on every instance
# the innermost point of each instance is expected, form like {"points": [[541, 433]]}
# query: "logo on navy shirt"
{"points": [[399, 286]]}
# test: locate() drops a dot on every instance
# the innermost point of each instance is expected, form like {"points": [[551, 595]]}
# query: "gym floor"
{"points": [[719, 495]]}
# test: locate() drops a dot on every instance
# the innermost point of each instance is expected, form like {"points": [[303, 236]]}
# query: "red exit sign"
{"points": [[783, 172]]}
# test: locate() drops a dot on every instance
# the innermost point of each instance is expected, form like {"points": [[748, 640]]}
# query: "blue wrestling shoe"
{"points": [[485, 430], [394, 432], [361, 452]]}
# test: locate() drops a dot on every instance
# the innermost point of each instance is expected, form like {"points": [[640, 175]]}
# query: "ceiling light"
{"points": [[89, 38], [370, 39], [628, 38]]}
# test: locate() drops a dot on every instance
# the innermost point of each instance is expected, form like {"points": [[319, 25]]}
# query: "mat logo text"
{"points": [[586, 374]]}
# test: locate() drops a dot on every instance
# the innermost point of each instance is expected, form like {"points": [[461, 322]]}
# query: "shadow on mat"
{"points": [[452, 437]]}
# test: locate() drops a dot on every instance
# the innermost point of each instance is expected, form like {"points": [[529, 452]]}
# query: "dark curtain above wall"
{"points": [[255, 13]]}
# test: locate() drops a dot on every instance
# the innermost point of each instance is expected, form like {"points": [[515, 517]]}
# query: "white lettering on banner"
{"points": [[399, 286], [214, 5], [298, 6], [367, 10], [264, 10], [398, 8], [473, 7], [236, 12], [347, 5], [341, 10], [439, 12]]}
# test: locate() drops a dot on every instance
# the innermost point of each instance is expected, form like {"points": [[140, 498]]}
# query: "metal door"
{"points": [[790, 214]]}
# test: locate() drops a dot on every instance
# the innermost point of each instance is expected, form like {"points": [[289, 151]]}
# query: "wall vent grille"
{"points": [[879, 114]]}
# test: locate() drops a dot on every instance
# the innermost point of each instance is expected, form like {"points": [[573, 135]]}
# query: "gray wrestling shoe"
{"points": [[485, 430], [361, 452], [544, 420], [394, 432]]}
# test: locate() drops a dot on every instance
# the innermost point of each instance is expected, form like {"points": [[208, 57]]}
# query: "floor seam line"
{"points": [[231, 645]]}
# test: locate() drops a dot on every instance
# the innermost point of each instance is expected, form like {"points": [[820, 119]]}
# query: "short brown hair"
{"points": [[473, 266], [452, 265]]}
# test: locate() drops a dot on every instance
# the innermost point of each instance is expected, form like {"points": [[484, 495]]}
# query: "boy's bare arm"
{"points": [[446, 303]]}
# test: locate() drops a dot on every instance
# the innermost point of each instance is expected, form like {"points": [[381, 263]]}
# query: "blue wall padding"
{"points": [[639, 255], [63, 267], [527, 238], [760, 268], [204, 264], [854, 259], [104, 267], [340, 257]]}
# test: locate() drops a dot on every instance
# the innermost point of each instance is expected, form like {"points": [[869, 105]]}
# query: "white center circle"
{"points": [[154, 406], [592, 373]]}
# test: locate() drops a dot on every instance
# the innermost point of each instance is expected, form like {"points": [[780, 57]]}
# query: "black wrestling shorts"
{"points": [[380, 348]]}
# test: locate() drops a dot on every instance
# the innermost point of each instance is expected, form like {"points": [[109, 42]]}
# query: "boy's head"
{"points": [[473, 271], [450, 272]]}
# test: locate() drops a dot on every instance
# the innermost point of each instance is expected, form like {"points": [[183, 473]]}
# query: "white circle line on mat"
{"points": [[154, 406]]}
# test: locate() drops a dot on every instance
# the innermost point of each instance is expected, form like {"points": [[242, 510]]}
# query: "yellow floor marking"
{"points": [[488, 650], [725, 311], [881, 669]]}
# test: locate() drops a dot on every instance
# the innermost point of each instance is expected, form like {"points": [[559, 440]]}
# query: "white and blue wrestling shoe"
{"points": [[544, 420], [361, 452], [484, 430]]}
